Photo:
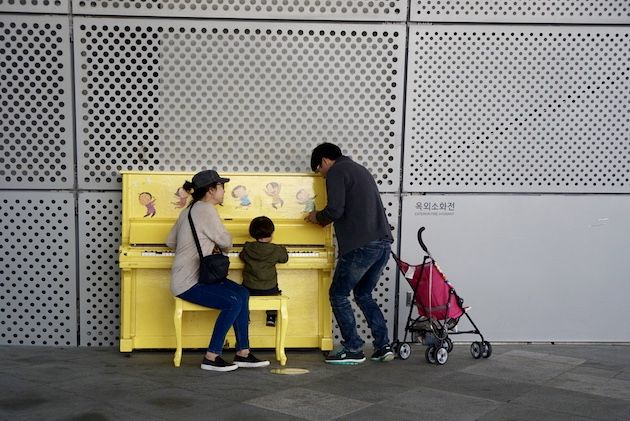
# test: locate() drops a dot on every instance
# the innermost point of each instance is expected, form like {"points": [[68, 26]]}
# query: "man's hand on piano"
{"points": [[311, 217]]}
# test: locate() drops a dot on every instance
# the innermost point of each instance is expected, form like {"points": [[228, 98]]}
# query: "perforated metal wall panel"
{"points": [[546, 11], [36, 134], [163, 85], [99, 276], [347, 10], [518, 109], [238, 96], [385, 291], [35, 6], [38, 269]]}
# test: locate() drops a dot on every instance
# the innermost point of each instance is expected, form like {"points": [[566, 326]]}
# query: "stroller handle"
{"points": [[424, 247]]}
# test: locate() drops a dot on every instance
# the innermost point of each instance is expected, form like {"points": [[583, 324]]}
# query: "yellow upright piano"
{"points": [[152, 202]]}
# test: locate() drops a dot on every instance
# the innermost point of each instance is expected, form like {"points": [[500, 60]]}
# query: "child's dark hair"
{"points": [[261, 227], [197, 194]]}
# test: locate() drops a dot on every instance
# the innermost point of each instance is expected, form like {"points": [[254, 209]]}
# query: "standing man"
{"points": [[364, 242]]}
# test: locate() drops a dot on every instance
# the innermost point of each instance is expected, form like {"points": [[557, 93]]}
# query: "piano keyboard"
{"points": [[157, 253], [299, 258], [234, 253], [291, 254]]}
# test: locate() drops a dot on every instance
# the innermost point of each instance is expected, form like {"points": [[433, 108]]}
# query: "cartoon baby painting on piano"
{"points": [[273, 190], [240, 192], [307, 199], [182, 198], [146, 199]]}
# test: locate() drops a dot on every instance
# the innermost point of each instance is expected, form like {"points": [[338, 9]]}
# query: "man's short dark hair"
{"points": [[324, 150], [261, 227]]}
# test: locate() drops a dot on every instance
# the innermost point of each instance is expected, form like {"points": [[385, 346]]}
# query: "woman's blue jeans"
{"points": [[359, 271], [232, 300]]}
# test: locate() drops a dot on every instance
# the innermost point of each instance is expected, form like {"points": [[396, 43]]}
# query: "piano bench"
{"points": [[259, 302]]}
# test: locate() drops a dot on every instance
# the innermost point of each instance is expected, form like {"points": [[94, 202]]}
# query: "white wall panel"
{"points": [[237, 96], [544, 11], [517, 109], [347, 10], [533, 268]]}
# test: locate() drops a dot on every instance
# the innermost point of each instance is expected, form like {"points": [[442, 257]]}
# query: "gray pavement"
{"points": [[518, 382]]}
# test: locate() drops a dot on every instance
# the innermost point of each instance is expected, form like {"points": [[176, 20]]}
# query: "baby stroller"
{"points": [[439, 312]]}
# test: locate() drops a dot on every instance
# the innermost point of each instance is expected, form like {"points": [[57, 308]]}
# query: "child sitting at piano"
{"points": [[260, 257]]}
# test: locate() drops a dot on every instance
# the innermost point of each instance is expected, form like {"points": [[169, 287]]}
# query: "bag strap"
{"points": [[194, 231]]}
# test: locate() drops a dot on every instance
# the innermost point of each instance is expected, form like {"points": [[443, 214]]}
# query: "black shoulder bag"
{"points": [[213, 268]]}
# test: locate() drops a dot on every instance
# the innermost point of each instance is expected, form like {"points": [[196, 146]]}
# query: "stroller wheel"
{"points": [[449, 344], [475, 350], [486, 349], [404, 351], [429, 354], [441, 356]]}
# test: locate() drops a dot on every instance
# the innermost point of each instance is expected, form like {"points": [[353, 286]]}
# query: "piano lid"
{"points": [[152, 202]]}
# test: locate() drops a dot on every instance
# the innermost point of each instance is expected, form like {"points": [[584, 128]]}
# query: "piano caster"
{"points": [[325, 354]]}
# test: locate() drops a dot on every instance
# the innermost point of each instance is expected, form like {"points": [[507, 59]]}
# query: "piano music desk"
{"points": [[151, 204]]}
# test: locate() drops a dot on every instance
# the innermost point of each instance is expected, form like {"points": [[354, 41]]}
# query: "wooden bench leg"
{"points": [[177, 318], [281, 333]]}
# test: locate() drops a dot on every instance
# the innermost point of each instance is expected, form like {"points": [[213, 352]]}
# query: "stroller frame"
{"points": [[431, 331]]}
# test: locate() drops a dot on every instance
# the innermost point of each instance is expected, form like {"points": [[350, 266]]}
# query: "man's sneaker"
{"points": [[384, 354], [346, 357], [271, 320], [217, 365], [250, 361]]}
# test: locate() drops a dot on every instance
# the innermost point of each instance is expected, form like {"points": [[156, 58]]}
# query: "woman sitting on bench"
{"points": [[230, 298]]}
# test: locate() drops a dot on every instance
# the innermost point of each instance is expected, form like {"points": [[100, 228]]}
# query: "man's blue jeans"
{"points": [[232, 300], [358, 271]]}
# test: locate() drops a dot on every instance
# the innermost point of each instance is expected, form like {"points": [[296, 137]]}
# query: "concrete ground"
{"points": [[518, 382]]}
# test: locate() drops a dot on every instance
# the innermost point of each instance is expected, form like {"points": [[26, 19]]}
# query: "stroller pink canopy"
{"points": [[435, 297]]}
